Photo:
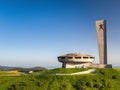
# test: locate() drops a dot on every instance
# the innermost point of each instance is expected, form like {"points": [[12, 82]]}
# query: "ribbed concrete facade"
{"points": [[76, 60], [102, 41]]}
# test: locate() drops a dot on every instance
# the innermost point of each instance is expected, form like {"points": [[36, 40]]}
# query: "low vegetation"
{"points": [[103, 79], [10, 73]]}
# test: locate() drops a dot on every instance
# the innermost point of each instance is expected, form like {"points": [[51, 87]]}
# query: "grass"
{"points": [[7, 73], [104, 79], [62, 71]]}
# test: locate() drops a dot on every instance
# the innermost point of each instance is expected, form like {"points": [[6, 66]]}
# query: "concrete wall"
{"points": [[102, 41], [77, 65], [100, 66]]}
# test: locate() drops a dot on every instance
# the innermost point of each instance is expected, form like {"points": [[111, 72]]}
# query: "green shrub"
{"points": [[104, 79]]}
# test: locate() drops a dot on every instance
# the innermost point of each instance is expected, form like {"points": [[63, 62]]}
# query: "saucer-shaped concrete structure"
{"points": [[73, 60]]}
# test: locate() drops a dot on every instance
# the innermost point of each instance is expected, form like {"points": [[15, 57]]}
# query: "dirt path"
{"points": [[83, 72]]}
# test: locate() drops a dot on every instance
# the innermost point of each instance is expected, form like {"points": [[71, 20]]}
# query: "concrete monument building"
{"points": [[73, 60], [102, 41]]}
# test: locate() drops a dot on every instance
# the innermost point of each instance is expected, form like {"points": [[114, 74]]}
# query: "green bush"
{"points": [[104, 79]]}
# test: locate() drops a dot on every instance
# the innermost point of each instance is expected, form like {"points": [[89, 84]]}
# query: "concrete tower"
{"points": [[102, 41]]}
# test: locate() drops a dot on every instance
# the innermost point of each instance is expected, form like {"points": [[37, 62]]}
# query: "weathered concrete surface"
{"points": [[100, 66], [76, 60], [102, 41], [77, 65]]}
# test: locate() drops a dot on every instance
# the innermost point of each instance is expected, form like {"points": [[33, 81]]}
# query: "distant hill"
{"points": [[116, 66], [7, 68]]}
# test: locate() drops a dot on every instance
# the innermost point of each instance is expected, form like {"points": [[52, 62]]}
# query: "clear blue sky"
{"points": [[35, 32]]}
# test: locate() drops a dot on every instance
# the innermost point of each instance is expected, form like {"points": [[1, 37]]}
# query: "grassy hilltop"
{"points": [[103, 79]]}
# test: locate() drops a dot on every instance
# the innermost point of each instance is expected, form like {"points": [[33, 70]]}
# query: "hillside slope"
{"points": [[103, 79]]}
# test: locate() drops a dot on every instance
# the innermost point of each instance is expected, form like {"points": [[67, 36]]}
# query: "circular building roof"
{"points": [[76, 57], [77, 54]]}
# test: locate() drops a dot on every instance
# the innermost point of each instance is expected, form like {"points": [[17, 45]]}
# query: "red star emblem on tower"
{"points": [[101, 27]]}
